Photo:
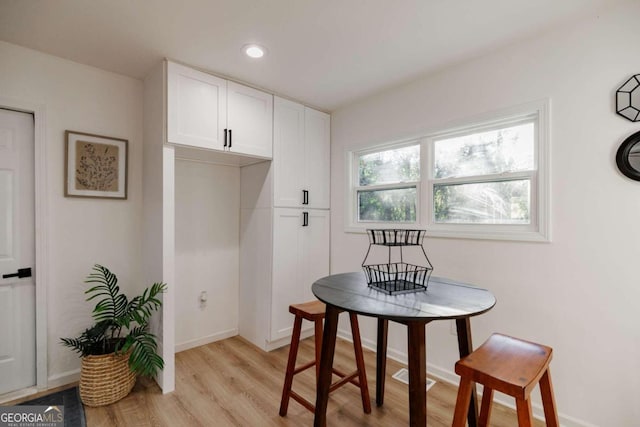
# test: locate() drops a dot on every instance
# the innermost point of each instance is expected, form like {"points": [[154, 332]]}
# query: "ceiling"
{"points": [[326, 53]]}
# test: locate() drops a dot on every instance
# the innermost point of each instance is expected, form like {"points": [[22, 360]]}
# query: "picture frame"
{"points": [[95, 166]]}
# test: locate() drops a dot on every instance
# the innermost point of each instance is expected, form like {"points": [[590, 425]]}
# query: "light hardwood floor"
{"points": [[233, 383]]}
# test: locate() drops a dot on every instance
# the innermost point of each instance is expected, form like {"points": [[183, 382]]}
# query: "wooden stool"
{"points": [[511, 366], [314, 311]]}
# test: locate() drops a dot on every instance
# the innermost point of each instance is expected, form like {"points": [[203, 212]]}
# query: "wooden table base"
{"points": [[417, 341], [417, 373], [326, 364]]}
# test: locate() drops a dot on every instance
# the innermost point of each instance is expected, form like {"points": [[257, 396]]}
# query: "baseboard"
{"points": [[54, 381], [63, 378], [273, 345], [206, 340], [17, 394]]}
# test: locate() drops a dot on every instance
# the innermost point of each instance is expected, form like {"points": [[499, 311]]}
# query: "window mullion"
{"points": [[507, 176], [394, 186]]}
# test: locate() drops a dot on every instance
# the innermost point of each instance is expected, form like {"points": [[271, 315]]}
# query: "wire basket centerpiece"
{"points": [[403, 267]]}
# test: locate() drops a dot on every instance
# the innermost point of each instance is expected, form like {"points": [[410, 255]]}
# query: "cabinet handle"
{"points": [[305, 197], [230, 140], [305, 219], [225, 138]]}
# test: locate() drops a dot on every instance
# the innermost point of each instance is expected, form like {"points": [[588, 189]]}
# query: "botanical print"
{"points": [[96, 166]]}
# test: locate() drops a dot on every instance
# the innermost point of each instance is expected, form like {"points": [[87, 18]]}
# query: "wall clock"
{"points": [[628, 157]]}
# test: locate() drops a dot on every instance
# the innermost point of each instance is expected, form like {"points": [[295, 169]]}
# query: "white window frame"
{"points": [[539, 229], [353, 224]]}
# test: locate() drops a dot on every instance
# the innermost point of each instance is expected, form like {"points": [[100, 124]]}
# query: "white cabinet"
{"points": [[300, 256], [196, 107], [282, 252], [208, 112], [288, 153], [249, 121], [301, 148], [317, 154]]}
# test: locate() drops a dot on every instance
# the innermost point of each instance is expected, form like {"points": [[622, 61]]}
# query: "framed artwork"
{"points": [[95, 166]]}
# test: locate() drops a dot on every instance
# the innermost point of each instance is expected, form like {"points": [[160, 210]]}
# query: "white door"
{"points": [[17, 252], [250, 120], [196, 108], [288, 153], [317, 154]]}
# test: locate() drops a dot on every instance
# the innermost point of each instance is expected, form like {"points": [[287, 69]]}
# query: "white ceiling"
{"points": [[326, 53]]}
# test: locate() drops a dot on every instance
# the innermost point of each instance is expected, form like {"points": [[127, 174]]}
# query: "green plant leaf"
{"points": [[113, 312], [143, 359]]}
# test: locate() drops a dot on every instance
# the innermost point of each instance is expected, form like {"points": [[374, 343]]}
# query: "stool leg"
{"points": [[465, 347], [525, 416], [462, 403], [291, 365], [318, 344], [362, 374], [548, 401], [485, 409]]}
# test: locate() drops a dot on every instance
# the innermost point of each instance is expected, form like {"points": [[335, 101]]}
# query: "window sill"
{"points": [[509, 235], [362, 229], [506, 235]]}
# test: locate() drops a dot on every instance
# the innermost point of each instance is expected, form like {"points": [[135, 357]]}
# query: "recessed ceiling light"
{"points": [[254, 51]]}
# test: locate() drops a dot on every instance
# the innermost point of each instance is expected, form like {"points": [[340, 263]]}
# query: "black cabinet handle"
{"points": [[225, 138], [305, 197], [22, 273], [305, 219], [230, 139]]}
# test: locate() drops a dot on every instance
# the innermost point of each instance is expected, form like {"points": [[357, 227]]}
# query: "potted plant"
{"points": [[119, 345]]}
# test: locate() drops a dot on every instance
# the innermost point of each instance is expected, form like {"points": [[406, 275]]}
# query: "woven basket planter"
{"points": [[105, 379]]}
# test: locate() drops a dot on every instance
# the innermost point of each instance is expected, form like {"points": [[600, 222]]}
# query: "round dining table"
{"points": [[443, 299]]}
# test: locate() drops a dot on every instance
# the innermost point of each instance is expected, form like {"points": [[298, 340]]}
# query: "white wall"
{"points": [[207, 222], [578, 294], [81, 232]]}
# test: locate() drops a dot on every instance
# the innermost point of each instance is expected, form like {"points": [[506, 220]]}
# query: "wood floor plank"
{"points": [[233, 383]]}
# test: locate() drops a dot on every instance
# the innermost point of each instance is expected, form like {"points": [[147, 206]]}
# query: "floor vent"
{"points": [[403, 376]]}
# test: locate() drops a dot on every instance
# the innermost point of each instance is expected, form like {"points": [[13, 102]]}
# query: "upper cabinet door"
{"points": [[317, 158], [250, 119], [288, 153], [196, 108]]}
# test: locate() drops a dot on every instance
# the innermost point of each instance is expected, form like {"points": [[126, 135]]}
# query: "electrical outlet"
{"points": [[203, 298]]}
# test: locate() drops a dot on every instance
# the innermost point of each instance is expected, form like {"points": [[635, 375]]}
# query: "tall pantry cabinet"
{"points": [[284, 224]]}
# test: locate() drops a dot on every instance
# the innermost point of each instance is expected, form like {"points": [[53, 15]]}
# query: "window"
{"points": [[484, 177], [387, 185], [484, 180]]}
